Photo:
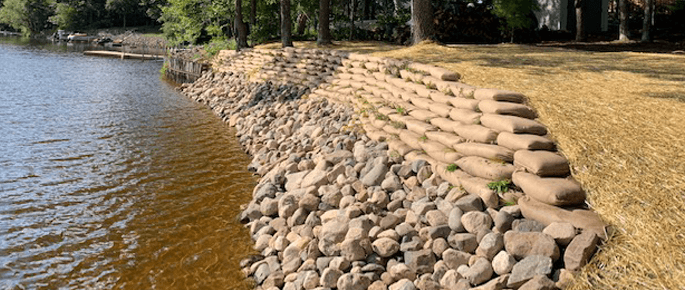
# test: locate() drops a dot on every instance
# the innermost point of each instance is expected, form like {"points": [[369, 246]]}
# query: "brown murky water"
{"points": [[109, 179]]}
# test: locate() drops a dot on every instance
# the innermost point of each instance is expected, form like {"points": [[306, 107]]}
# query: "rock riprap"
{"points": [[384, 174]]}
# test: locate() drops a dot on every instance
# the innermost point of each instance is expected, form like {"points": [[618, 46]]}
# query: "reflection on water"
{"points": [[110, 179]]}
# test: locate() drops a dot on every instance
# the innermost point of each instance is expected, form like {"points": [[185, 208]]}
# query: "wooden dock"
{"points": [[122, 55]]}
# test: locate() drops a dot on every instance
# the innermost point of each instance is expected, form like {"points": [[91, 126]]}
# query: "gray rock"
{"points": [[420, 261], [436, 232], [391, 183], [421, 207], [331, 234], [385, 247], [404, 284], [513, 210], [469, 203], [310, 279], [579, 251], [454, 220], [479, 272], [439, 246], [401, 271], [526, 225], [463, 242], [528, 268], [424, 173], [287, 205], [503, 221], [453, 258], [265, 190], [378, 285], [294, 180], [315, 178], [269, 206], [353, 281], [436, 218], [418, 164], [450, 279], [490, 245], [524, 244], [353, 249], [309, 202], [329, 277], [475, 220], [389, 221], [276, 279], [539, 282], [263, 271], [375, 175], [562, 233], [498, 283], [502, 263]]}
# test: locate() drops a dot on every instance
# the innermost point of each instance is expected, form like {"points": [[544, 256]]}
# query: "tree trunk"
{"points": [[324, 24], [581, 34], [253, 12], [396, 7], [367, 10], [422, 20], [353, 9], [647, 22], [623, 32], [286, 26], [241, 29], [301, 23]]}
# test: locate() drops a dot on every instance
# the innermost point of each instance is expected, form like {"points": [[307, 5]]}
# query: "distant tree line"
{"points": [[258, 21]]}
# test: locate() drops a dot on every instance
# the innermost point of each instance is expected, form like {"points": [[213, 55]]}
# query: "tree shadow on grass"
{"points": [[677, 95]]}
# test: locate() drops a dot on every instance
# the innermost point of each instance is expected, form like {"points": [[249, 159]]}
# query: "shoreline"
{"points": [[342, 203]]}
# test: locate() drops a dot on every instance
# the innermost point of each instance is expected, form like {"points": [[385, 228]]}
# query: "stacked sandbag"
{"points": [[385, 174]]}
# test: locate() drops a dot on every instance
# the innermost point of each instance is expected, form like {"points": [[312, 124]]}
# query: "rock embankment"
{"points": [[383, 174]]}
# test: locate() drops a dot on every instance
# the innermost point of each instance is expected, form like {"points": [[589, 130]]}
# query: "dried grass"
{"points": [[619, 119]]}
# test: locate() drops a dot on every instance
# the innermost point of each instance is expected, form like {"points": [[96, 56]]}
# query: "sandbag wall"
{"points": [[484, 142]]}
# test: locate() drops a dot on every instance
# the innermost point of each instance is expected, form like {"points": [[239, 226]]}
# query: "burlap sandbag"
{"points": [[440, 152], [512, 124], [461, 90], [445, 124], [372, 66], [441, 98], [453, 177], [524, 141], [542, 163], [356, 83], [488, 151], [479, 186], [399, 118], [485, 168], [506, 108], [377, 135], [411, 139], [345, 76], [465, 116], [498, 95], [446, 138], [422, 91], [379, 76], [392, 129], [418, 155], [400, 83], [407, 75], [462, 103], [546, 214], [378, 123], [399, 146], [387, 111], [414, 87], [419, 127], [423, 103], [476, 133], [407, 106], [443, 110], [550, 190], [423, 115]]}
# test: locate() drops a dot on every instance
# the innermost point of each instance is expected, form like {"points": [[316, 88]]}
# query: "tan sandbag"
{"points": [[372, 66], [488, 151], [407, 75], [345, 76], [399, 146], [506, 108], [479, 186], [407, 106], [423, 114], [411, 139], [542, 163], [397, 82], [399, 118], [378, 123], [499, 95], [462, 90], [432, 82], [392, 129], [387, 110], [444, 74], [486, 168], [377, 135], [524, 141], [445, 124], [416, 155], [419, 127], [550, 190], [379, 76], [441, 98], [440, 152], [546, 214], [453, 177], [465, 116], [512, 124], [423, 103], [423, 91], [441, 109], [462, 103], [446, 138], [476, 133], [355, 83]]}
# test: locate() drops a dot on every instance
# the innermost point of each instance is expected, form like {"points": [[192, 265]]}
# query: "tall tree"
{"points": [[422, 20], [286, 25], [324, 36], [647, 22], [353, 9], [623, 32], [581, 34], [240, 27], [253, 12]]}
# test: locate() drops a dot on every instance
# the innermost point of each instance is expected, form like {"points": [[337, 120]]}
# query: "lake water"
{"points": [[110, 179]]}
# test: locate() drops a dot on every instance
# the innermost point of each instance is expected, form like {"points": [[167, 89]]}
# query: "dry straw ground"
{"points": [[619, 117]]}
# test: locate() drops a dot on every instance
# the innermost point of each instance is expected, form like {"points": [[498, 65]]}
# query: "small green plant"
{"points": [[381, 117], [397, 125], [452, 167], [509, 202], [501, 186], [448, 92], [423, 138], [163, 70], [401, 111]]}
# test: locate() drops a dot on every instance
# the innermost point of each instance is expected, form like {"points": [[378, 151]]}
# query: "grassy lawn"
{"points": [[619, 117]]}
